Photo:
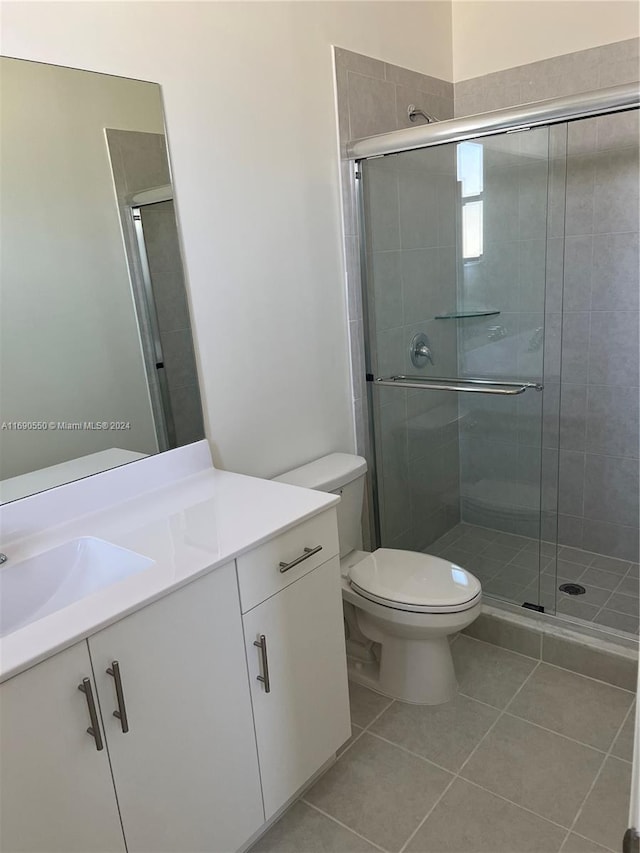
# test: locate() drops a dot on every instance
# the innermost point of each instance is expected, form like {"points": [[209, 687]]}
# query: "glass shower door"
{"points": [[457, 272]]}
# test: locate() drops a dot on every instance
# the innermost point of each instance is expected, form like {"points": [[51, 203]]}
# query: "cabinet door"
{"points": [[186, 772], [304, 718], [56, 790]]}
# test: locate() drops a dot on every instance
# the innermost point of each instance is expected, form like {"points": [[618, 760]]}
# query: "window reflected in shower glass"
{"points": [[470, 171], [470, 164], [472, 230]]}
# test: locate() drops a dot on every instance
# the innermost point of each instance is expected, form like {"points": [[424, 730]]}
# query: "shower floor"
{"points": [[508, 567]]}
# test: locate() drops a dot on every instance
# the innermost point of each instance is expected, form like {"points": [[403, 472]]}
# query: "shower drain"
{"points": [[572, 588]]}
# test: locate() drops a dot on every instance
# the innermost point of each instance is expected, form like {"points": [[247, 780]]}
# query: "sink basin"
{"points": [[41, 585]]}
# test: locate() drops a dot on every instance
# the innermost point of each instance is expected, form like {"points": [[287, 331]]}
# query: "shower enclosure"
{"points": [[501, 300]]}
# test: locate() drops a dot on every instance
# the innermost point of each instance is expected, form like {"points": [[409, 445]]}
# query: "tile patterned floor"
{"points": [[528, 758], [507, 566]]}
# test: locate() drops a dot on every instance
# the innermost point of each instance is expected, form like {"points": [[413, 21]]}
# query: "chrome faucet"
{"points": [[3, 558]]}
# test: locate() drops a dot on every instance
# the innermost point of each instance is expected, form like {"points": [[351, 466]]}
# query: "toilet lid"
{"points": [[418, 581]]}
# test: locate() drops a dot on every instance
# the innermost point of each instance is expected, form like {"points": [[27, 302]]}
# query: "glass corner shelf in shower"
{"points": [[462, 315]]}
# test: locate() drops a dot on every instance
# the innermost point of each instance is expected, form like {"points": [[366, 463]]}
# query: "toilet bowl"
{"points": [[401, 607], [410, 604]]}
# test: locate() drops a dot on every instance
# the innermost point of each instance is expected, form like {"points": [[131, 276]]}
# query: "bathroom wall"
{"points": [[411, 241], [594, 380], [491, 36], [248, 90]]}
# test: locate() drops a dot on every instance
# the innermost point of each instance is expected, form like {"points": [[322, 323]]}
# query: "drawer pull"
{"points": [[94, 728], [121, 713], [308, 552], [262, 645]]}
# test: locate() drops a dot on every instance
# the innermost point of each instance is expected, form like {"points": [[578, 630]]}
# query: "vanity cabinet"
{"points": [[186, 771], [297, 661], [209, 709], [56, 791]]}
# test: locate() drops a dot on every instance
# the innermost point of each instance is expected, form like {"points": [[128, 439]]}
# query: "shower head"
{"points": [[413, 112]]}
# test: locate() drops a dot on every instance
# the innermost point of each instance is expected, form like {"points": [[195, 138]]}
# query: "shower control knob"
{"points": [[420, 351]]}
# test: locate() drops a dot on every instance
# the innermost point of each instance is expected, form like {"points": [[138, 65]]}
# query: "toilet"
{"points": [[401, 607]]}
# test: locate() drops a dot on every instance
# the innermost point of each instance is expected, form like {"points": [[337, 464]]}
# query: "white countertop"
{"points": [[188, 528]]}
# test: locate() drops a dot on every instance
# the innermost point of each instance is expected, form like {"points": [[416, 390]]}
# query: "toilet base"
{"points": [[418, 671], [415, 672]]}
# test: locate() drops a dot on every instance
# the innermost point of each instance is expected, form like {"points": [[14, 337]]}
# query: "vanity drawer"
{"points": [[260, 573]]}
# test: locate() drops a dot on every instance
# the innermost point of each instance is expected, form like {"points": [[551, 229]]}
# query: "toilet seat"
{"points": [[416, 583]]}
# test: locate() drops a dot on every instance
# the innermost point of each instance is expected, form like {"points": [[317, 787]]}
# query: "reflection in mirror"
{"points": [[96, 356]]}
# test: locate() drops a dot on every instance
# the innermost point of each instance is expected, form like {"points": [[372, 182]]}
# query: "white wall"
{"points": [[491, 35], [69, 342], [249, 100]]}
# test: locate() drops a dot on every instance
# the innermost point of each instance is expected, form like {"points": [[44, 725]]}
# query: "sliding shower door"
{"points": [[459, 262]]}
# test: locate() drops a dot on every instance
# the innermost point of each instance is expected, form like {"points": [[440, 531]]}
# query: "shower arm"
{"points": [[413, 112]]}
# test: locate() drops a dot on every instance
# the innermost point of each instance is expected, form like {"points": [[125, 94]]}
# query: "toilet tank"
{"points": [[341, 474]]}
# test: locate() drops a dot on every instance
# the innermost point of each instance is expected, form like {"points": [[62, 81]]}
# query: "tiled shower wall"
{"points": [[373, 97], [596, 382]]}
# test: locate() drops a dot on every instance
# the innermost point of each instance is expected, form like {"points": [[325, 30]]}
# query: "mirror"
{"points": [[97, 366]]}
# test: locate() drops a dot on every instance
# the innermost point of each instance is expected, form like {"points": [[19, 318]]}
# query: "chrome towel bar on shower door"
{"points": [[479, 386]]}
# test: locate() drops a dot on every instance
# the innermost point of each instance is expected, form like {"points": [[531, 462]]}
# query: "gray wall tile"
{"points": [[578, 265], [618, 130], [416, 80], [371, 105], [187, 413], [616, 73], [613, 348], [570, 530], [575, 341], [581, 174], [611, 489], [615, 193], [385, 276], [614, 539], [612, 420], [358, 62], [382, 205], [615, 282], [572, 466], [573, 409]]}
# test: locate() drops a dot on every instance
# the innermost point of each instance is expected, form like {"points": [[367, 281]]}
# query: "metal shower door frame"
{"points": [[153, 353]]}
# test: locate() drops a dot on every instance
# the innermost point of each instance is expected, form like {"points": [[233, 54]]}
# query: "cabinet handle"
{"points": [[94, 728], [121, 713], [307, 552], [262, 645]]}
